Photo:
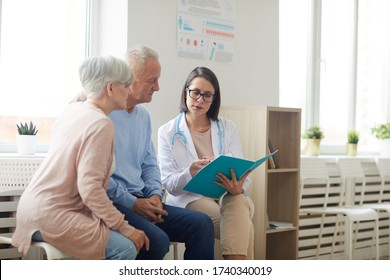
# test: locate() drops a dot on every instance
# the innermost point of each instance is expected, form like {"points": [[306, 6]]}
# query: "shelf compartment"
{"points": [[282, 197], [279, 244]]}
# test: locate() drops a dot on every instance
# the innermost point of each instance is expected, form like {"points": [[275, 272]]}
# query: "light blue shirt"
{"points": [[137, 173]]}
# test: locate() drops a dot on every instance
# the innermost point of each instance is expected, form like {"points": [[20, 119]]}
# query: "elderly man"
{"points": [[135, 187]]}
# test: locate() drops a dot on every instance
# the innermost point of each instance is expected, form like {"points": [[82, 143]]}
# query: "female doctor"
{"points": [[188, 143]]}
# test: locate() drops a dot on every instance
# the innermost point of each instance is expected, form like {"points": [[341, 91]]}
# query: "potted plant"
{"points": [[27, 138], [353, 139], [382, 133], [313, 136]]}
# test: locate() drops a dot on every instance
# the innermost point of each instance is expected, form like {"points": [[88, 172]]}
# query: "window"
{"points": [[293, 30], [41, 46], [334, 64], [336, 69], [373, 68]]}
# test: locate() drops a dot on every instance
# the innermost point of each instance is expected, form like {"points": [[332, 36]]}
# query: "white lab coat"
{"points": [[174, 160]]}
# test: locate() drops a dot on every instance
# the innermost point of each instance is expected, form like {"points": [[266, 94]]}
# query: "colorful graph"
{"points": [[219, 30]]}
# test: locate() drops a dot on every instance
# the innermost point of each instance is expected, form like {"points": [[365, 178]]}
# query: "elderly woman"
{"points": [[66, 203]]}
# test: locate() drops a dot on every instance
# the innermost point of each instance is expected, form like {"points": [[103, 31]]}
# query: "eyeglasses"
{"points": [[196, 94]]}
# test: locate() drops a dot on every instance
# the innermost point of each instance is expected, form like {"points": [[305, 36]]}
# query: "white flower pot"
{"points": [[351, 150], [384, 148], [27, 144], [312, 147]]}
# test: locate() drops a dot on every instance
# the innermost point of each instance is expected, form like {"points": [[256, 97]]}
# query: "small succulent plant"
{"points": [[27, 129], [353, 137]]}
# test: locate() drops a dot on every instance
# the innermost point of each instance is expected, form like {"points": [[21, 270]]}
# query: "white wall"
{"points": [[252, 80]]}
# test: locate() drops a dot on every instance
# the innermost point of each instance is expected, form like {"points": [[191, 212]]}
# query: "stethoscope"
{"points": [[180, 134]]}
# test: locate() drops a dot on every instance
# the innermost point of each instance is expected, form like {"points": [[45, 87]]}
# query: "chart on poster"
{"points": [[206, 30]]}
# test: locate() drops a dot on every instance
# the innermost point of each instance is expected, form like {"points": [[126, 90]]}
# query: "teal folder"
{"points": [[202, 183]]}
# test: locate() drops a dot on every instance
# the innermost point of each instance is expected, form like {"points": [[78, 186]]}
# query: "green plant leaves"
{"points": [[353, 137], [27, 129], [381, 131], [313, 132]]}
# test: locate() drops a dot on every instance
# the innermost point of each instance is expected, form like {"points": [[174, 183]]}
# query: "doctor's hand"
{"points": [[139, 238], [233, 186], [150, 209], [198, 165]]}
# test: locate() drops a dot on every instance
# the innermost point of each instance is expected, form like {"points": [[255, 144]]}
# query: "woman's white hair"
{"points": [[96, 72]]}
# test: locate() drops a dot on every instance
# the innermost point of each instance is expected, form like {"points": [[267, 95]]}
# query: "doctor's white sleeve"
{"points": [[173, 177]]}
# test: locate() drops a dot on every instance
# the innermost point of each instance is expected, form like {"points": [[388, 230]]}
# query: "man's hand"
{"points": [[150, 209], [140, 240]]}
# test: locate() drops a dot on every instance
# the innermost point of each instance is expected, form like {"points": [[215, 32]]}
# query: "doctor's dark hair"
{"points": [[206, 73]]}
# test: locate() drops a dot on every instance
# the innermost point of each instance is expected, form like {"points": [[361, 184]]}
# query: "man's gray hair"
{"points": [[96, 72], [139, 54]]}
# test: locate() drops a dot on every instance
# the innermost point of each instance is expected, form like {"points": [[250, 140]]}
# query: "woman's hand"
{"points": [[198, 165], [139, 238], [233, 186]]}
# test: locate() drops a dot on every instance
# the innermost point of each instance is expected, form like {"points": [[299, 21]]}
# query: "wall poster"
{"points": [[206, 30]]}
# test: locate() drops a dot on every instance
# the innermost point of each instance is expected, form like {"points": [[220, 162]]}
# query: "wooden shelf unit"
{"points": [[273, 191]]}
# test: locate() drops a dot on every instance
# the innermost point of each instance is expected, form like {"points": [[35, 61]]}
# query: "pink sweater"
{"points": [[66, 199]]}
